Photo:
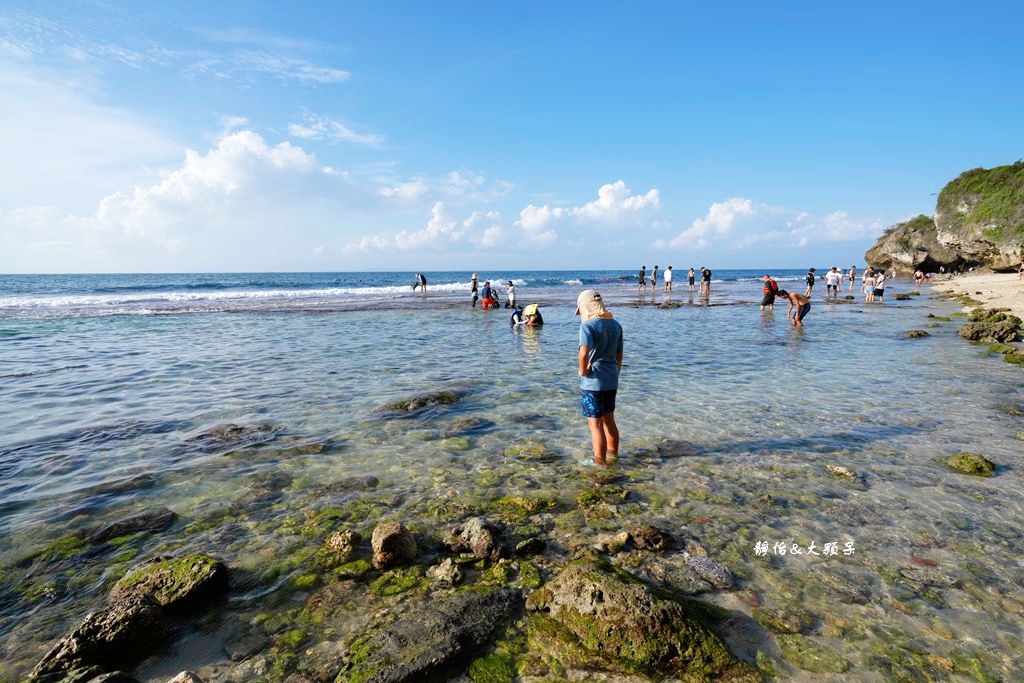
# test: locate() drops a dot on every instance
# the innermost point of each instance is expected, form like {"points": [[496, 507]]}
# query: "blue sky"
{"points": [[426, 136]]}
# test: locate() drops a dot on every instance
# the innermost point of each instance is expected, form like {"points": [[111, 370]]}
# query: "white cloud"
{"points": [[457, 187], [442, 232], [615, 206], [316, 127], [739, 223]]}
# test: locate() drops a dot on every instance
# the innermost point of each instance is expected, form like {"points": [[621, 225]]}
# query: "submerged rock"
{"points": [[647, 537], [915, 334], [232, 436], [174, 583], [809, 657], [793, 620], [466, 425], [186, 677], [417, 404], [711, 571], [615, 617], [970, 463], [158, 520], [668, 449], [348, 484], [433, 641], [392, 545], [116, 637], [340, 547], [480, 538]]}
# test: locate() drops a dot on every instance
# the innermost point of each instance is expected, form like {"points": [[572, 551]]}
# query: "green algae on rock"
{"points": [[786, 620], [970, 463], [175, 582], [493, 668], [615, 617], [806, 654]]}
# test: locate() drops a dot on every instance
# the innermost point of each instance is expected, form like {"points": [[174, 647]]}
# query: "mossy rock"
{"points": [[939, 318], [500, 574], [766, 664], [530, 450], [902, 296], [65, 547], [795, 620], [529, 577], [1002, 348], [1017, 358], [1011, 409], [456, 443], [175, 582], [614, 616], [805, 654], [970, 463], [353, 570], [611, 494], [398, 581], [524, 506], [916, 334], [417, 404], [494, 668], [972, 666], [1020, 436]]}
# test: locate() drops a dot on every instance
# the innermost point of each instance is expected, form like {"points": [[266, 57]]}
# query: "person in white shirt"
{"points": [[668, 279], [879, 292], [867, 285], [511, 292], [832, 280]]}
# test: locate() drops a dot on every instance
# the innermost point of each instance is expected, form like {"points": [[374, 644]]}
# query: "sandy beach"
{"points": [[994, 290]]}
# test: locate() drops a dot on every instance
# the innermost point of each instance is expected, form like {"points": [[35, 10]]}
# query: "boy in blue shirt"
{"points": [[600, 360]]}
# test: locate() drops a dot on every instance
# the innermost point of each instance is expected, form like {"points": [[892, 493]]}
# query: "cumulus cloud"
{"points": [[457, 188], [316, 127], [615, 206], [738, 223], [442, 232]]}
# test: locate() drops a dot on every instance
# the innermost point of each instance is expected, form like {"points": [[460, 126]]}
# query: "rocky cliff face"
{"points": [[979, 221]]}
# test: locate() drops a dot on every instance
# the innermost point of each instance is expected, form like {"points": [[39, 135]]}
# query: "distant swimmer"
{"points": [[473, 289], [532, 316], [799, 306], [668, 279]]}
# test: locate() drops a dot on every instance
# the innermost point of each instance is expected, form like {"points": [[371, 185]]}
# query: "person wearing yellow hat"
{"points": [[600, 361]]}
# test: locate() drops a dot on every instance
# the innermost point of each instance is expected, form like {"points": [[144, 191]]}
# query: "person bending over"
{"points": [[799, 306]]}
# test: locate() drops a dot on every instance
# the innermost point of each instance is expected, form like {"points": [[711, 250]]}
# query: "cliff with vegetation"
{"points": [[978, 222]]}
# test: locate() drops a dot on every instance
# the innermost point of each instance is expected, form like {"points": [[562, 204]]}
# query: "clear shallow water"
{"points": [[102, 414]]}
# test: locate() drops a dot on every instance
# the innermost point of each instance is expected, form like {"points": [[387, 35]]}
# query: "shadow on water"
{"points": [[819, 443]]}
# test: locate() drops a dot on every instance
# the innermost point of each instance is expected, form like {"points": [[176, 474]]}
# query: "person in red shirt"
{"points": [[771, 288]]}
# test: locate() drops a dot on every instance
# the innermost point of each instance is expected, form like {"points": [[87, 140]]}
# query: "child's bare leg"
{"points": [[597, 439], [611, 435]]}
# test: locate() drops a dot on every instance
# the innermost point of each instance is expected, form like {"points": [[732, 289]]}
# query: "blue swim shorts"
{"points": [[597, 403]]}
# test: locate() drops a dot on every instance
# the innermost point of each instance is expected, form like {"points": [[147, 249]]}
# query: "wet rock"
{"points": [[134, 483], [466, 425], [711, 571], [349, 484], [1016, 357], [647, 537], [392, 545], [186, 677], [273, 480], [792, 620], [929, 576], [990, 332], [531, 546], [447, 573], [531, 450], [692, 547], [809, 656], [240, 648], [340, 547], [1011, 409], [669, 449], [613, 543], [677, 574], [916, 334], [612, 615], [229, 437], [842, 586], [840, 471], [970, 463], [116, 637], [418, 404], [541, 422], [433, 641], [158, 520], [1002, 348], [174, 583], [478, 537]]}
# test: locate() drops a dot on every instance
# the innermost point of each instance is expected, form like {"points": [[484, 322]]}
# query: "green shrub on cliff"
{"points": [[988, 198]]}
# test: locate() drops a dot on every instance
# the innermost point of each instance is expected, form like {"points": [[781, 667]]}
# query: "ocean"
{"points": [[124, 394]]}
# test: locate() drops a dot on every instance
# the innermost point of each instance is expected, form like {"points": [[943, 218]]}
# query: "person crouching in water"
{"points": [[529, 316], [600, 361], [801, 303]]}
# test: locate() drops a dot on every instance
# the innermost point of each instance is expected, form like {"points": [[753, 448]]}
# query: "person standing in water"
{"points": [[853, 276], [643, 280], [770, 291], [809, 279], [800, 303], [693, 277], [473, 289], [654, 279], [668, 279], [600, 362]]}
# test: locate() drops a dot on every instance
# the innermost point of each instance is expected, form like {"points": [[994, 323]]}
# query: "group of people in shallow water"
{"points": [[489, 297], [705, 279]]}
